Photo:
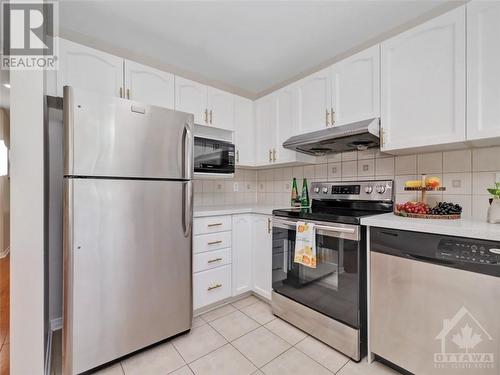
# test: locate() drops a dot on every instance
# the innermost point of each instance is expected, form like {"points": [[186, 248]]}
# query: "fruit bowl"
{"points": [[421, 210]]}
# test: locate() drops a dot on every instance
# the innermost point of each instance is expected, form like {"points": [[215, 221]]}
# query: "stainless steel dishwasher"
{"points": [[435, 302]]}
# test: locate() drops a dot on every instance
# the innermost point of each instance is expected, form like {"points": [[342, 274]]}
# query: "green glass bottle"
{"points": [[295, 194], [304, 200]]}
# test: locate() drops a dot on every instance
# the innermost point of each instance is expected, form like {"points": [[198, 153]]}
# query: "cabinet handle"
{"points": [[268, 225], [214, 260], [214, 225], [327, 118], [214, 286], [237, 156], [128, 93], [270, 156], [274, 155], [121, 92], [211, 117], [206, 115], [333, 116], [214, 242]]}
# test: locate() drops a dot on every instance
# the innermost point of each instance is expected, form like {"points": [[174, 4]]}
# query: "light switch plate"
{"points": [[497, 177], [236, 186]]}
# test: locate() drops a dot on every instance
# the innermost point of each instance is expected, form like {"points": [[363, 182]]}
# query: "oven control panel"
{"points": [[469, 251], [374, 190]]}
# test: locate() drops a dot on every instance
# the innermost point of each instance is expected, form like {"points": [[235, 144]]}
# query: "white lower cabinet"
{"points": [[262, 255], [211, 286], [239, 262], [242, 253]]}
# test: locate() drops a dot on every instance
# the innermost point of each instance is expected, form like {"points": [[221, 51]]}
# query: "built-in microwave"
{"points": [[213, 156]]}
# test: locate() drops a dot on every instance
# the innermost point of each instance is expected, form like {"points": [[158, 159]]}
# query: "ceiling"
{"points": [[248, 47]]}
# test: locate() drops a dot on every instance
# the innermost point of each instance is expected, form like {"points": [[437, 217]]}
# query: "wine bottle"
{"points": [[295, 194], [304, 200]]}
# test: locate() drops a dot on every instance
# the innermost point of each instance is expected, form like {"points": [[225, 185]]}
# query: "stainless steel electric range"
{"points": [[329, 301]]}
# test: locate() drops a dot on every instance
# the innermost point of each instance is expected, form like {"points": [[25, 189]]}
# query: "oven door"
{"points": [[213, 156], [333, 287]]}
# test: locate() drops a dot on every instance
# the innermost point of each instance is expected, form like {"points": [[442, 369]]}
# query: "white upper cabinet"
{"points": [[244, 131], [191, 97], [220, 109], [314, 101], [356, 87], [149, 85], [483, 69], [89, 69], [286, 123], [265, 127], [423, 84]]}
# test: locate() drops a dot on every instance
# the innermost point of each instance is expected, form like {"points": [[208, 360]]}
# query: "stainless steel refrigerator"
{"points": [[127, 227]]}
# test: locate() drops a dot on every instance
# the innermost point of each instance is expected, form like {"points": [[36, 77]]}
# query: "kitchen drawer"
{"points": [[212, 224], [213, 241], [211, 259], [211, 286]]}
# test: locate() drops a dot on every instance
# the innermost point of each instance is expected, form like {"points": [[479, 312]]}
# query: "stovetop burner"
{"points": [[344, 202]]}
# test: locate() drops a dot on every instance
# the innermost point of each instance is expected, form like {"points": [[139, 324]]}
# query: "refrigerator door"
{"points": [[127, 267], [113, 137]]}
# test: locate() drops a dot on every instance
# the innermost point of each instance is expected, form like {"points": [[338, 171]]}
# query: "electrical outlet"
{"points": [[236, 186]]}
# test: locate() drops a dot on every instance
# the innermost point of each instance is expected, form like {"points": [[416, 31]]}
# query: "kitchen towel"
{"points": [[305, 244]]}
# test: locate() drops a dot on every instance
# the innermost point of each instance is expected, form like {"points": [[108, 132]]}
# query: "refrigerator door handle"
{"points": [[187, 152], [187, 210]]}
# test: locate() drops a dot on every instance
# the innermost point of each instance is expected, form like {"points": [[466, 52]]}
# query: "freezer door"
{"points": [[113, 137], [127, 266]]}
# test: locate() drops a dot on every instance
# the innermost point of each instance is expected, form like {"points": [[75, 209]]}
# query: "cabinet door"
{"points": [[356, 87], [220, 109], [89, 69], [242, 254], [244, 131], [483, 69], [262, 255], [191, 97], [286, 123], [265, 124], [314, 101], [149, 85], [423, 84]]}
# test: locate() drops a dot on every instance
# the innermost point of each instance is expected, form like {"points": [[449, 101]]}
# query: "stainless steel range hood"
{"points": [[356, 136]]}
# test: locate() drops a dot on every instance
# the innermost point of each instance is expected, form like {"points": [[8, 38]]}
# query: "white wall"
{"points": [[27, 237]]}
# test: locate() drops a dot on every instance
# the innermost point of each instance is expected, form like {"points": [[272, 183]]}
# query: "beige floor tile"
{"points": [[294, 362], [322, 353], [364, 368], [261, 346], [110, 370], [159, 360], [198, 322], [218, 313], [244, 302], [286, 331], [260, 312], [234, 325], [258, 372], [182, 371], [200, 341], [224, 361]]}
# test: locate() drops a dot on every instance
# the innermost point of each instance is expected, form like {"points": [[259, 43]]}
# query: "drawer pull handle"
{"points": [[215, 242], [214, 286], [214, 225], [214, 260]]}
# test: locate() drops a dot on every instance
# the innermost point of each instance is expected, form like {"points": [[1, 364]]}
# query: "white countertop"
{"points": [[203, 211], [466, 227]]}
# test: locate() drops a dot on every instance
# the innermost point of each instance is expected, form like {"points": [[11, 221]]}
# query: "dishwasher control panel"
{"points": [[468, 251]]}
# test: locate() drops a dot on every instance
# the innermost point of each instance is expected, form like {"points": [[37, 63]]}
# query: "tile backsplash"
{"points": [[465, 173]]}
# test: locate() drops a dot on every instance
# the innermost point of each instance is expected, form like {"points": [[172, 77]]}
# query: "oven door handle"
{"points": [[320, 227]]}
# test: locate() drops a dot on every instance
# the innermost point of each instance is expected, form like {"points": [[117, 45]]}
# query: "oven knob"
{"points": [[368, 189], [324, 190], [316, 189], [380, 189]]}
